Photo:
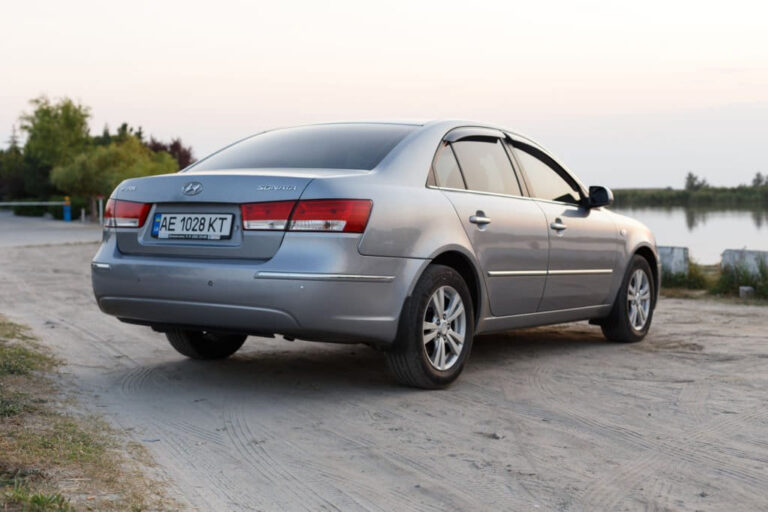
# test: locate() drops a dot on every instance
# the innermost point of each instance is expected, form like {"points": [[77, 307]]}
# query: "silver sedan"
{"points": [[412, 238]]}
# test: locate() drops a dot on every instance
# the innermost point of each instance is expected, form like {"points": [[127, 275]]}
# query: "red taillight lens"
{"points": [[267, 216], [333, 215], [125, 214], [338, 215]]}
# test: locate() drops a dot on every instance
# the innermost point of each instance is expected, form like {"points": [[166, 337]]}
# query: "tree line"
{"points": [[697, 192], [59, 156]]}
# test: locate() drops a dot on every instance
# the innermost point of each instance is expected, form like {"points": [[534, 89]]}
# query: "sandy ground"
{"points": [[549, 419]]}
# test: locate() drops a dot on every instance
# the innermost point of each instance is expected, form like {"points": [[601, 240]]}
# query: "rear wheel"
{"points": [[632, 312], [205, 344], [436, 331]]}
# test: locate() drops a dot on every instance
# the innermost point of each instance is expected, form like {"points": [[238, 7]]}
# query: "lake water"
{"points": [[706, 233]]}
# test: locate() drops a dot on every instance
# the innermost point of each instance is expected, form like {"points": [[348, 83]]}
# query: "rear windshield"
{"points": [[333, 146]]}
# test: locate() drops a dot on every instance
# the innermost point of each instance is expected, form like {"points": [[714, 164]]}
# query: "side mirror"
{"points": [[600, 196]]}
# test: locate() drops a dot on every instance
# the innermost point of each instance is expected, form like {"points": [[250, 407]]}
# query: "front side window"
{"points": [[359, 146], [447, 172], [545, 181], [486, 167]]}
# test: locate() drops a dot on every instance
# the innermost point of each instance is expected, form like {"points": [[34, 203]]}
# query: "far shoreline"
{"points": [[743, 197]]}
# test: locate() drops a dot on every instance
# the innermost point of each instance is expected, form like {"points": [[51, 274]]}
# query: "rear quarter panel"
{"points": [[408, 220]]}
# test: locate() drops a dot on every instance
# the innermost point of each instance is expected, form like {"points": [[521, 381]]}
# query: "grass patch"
{"points": [[18, 352], [60, 440], [10, 406], [20, 496], [21, 360], [13, 331], [54, 461]]}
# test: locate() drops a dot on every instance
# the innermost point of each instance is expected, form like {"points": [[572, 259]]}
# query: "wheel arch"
{"points": [[647, 252], [465, 265]]}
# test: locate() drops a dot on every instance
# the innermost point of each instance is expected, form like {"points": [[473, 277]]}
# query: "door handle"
{"points": [[558, 225], [480, 219]]}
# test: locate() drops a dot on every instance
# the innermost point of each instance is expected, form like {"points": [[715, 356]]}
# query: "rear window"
{"points": [[333, 146], [447, 169]]}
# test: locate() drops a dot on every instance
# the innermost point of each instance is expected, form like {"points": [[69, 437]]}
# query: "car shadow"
{"points": [[303, 368]]}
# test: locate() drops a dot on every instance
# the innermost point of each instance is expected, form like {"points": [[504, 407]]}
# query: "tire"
{"points": [[205, 345], [622, 325], [419, 363]]}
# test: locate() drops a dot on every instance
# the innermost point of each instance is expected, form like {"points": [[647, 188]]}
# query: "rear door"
{"points": [[508, 231], [583, 242]]}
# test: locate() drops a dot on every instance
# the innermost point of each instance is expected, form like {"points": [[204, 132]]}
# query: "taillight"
{"points": [[125, 214], [331, 215], [341, 215], [267, 216]]}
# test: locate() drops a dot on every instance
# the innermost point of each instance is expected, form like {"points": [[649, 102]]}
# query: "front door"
{"points": [[583, 242]]}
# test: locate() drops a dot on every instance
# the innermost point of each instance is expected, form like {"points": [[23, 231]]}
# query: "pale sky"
{"points": [[625, 93]]}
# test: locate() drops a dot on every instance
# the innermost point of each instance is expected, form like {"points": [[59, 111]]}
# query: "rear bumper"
{"points": [[316, 287]]}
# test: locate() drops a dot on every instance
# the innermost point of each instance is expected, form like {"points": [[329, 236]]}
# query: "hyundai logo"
{"points": [[192, 188]]}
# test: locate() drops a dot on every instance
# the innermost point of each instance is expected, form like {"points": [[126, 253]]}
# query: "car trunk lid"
{"points": [[205, 195]]}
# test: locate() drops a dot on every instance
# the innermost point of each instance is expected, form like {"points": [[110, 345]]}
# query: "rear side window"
{"points": [[486, 167], [447, 172], [545, 181], [334, 146]]}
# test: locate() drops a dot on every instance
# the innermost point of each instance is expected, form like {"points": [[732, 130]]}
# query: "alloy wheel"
{"points": [[638, 299], [444, 328]]}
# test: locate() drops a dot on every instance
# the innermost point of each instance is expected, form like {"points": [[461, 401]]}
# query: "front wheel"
{"points": [[436, 331], [632, 312], [203, 344]]}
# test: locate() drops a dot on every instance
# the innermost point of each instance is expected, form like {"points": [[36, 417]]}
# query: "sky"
{"points": [[627, 94]]}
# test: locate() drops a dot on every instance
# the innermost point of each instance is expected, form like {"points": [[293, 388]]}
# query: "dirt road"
{"points": [[550, 419]]}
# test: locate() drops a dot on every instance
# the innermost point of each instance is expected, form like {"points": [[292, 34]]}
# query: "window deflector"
{"points": [[550, 162]]}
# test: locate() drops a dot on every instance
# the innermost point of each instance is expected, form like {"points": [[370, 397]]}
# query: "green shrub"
{"points": [[731, 277], [30, 211], [696, 279]]}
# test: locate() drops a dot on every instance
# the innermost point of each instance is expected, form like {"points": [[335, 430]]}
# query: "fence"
{"points": [[66, 204]]}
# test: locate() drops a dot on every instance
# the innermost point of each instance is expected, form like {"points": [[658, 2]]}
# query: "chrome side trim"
{"points": [[502, 273], [579, 272], [323, 277], [100, 266]]}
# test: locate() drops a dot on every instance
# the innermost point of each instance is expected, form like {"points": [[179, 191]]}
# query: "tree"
{"points": [[12, 169], [125, 130], [693, 182], [759, 180], [182, 153], [105, 139], [99, 170], [56, 133]]}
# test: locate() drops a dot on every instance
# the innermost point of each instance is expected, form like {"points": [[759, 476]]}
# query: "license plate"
{"points": [[192, 226]]}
